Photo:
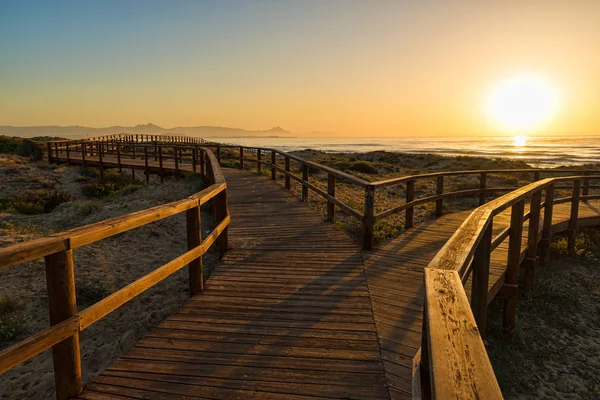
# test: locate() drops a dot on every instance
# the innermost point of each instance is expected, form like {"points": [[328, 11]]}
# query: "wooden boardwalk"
{"points": [[295, 310]]}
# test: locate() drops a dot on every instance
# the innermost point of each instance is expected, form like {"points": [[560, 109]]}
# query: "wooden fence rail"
{"points": [[454, 361], [452, 329], [165, 149], [66, 322], [367, 215]]}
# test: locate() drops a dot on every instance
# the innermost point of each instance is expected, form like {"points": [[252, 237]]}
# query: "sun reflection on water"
{"points": [[519, 141]]}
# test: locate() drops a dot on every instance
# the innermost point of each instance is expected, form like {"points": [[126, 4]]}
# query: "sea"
{"points": [[541, 152]]}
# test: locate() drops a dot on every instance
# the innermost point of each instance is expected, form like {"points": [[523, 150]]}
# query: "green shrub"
{"points": [[230, 163], [98, 190], [31, 149], [11, 321], [129, 189], [82, 179], [587, 244], [364, 167], [88, 172], [87, 207], [37, 202], [8, 145]]}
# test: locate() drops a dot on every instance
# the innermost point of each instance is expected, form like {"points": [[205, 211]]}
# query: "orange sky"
{"points": [[381, 68]]}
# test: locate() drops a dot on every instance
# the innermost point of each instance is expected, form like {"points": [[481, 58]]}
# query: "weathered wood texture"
{"points": [[295, 310], [285, 315]]}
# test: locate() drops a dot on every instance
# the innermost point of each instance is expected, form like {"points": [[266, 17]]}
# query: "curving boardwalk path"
{"points": [[295, 310]]}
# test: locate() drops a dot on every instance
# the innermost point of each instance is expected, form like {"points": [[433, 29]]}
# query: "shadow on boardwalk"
{"points": [[293, 311]]}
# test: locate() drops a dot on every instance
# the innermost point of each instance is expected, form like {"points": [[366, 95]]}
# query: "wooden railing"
{"points": [[454, 362], [183, 150], [66, 322], [280, 161], [452, 327]]}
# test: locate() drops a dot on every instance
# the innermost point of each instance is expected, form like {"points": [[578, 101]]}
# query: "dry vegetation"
{"points": [[555, 350], [37, 199], [381, 165]]}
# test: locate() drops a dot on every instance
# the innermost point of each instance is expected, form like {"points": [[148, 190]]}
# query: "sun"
{"points": [[522, 103]]}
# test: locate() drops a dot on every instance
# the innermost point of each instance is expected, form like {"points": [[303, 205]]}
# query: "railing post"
{"points": [[410, 211], [194, 158], [219, 154], [68, 156], [480, 278], [202, 165], [574, 215], [56, 153], [194, 239], [273, 161], [60, 280], [241, 157], [547, 227], [530, 261], [511, 282], [287, 169], [160, 164], [331, 192], [439, 190], [119, 158], [482, 187], [83, 151], [100, 150], [536, 176], [586, 186], [175, 153], [304, 179], [49, 149], [146, 169], [368, 221], [258, 163], [220, 214]]}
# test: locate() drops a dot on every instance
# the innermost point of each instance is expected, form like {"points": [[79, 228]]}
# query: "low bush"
{"points": [[98, 190], [37, 202], [364, 167], [8, 145], [11, 320], [31, 149]]}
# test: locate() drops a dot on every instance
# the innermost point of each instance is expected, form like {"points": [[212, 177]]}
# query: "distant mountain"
{"points": [[84, 131]]}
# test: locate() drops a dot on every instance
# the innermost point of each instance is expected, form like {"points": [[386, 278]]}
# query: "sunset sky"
{"points": [[364, 68]]}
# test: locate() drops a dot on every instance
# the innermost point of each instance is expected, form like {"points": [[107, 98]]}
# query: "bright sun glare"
{"points": [[519, 141], [522, 103]]}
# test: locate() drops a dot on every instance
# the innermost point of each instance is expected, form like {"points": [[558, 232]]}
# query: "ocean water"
{"points": [[537, 151]]}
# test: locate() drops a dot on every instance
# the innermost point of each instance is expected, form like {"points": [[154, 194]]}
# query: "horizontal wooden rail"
{"points": [[167, 148], [34, 345], [107, 305], [66, 322], [454, 361]]}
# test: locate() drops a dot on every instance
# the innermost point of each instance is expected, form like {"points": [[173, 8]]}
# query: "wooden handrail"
{"points": [[454, 360], [63, 335], [169, 148], [483, 190], [452, 329]]}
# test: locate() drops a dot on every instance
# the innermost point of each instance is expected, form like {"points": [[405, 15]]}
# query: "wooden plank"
{"points": [[460, 367]]}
